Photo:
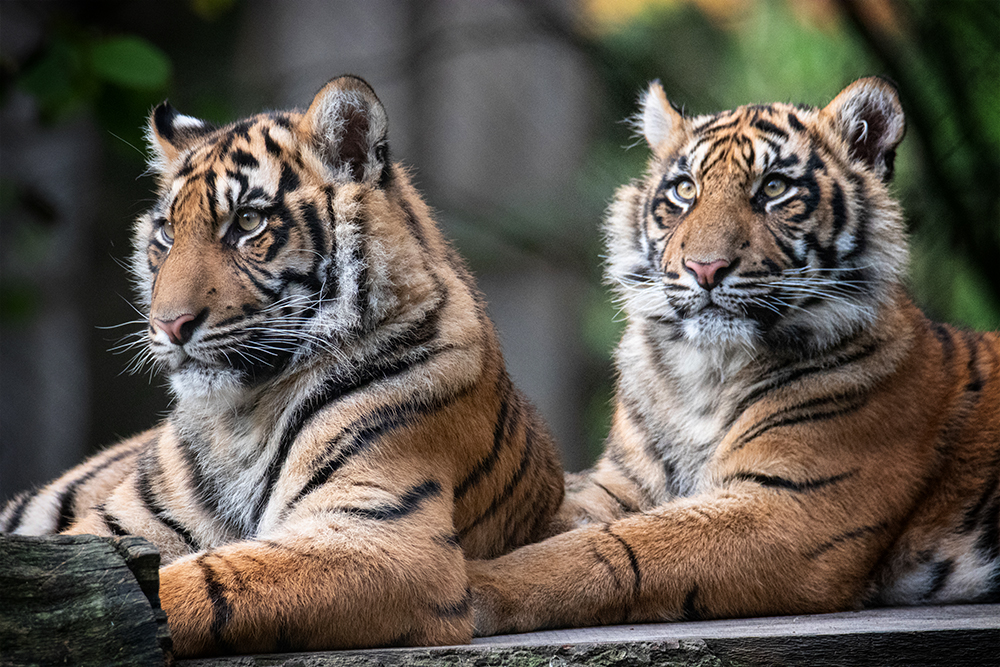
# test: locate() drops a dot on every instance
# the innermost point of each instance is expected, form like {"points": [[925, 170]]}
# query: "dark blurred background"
{"points": [[511, 113]]}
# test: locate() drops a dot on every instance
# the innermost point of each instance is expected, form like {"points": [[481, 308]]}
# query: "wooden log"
{"points": [[954, 636], [81, 600]]}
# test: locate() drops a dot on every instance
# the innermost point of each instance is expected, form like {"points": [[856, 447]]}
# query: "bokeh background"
{"points": [[511, 113]]}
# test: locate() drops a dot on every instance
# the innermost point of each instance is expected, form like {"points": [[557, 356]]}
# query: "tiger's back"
{"points": [[790, 433], [345, 432]]}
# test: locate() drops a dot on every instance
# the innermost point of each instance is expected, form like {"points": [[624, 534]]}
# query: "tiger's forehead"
{"points": [[745, 142], [241, 165]]}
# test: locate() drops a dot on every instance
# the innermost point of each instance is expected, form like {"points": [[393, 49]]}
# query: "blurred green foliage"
{"points": [[118, 77]]}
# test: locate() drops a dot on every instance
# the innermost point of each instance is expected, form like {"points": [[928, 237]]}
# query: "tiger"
{"points": [[344, 433], [790, 433]]}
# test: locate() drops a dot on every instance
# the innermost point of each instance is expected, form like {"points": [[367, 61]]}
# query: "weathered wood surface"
{"points": [[965, 636], [81, 600]]}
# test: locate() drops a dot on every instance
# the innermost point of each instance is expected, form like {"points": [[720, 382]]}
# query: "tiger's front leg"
{"points": [[732, 553], [319, 587]]}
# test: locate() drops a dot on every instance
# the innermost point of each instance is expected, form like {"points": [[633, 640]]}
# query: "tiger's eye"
{"points": [[775, 187], [168, 230], [249, 219], [686, 190]]}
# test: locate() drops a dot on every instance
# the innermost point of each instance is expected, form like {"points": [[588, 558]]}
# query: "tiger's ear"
{"points": [[350, 127], [170, 133], [869, 117], [658, 118]]}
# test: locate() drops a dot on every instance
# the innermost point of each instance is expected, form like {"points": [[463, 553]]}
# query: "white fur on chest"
{"points": [[234, 439], [686, 395]]}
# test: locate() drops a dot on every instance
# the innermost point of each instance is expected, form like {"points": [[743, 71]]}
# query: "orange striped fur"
{"points": [[344, 433], [790, 433]]}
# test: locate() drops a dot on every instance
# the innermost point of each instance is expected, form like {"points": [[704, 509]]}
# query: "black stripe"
{"points": [[222, 610], [66, 512], [973, 515], [366, 431], [610, 568], [846, 537], [783, 379], [361, 441], [615, 456], [625, 507], [317, 232], [210, 193], [333, 271], [270, 144], [333, 389], [508, 490], [413, 224], [455, 609], [243, 159], [940, 572], [408, 503], [206, 490], [770, 128], [975, 383], [500, 437], [450, 541], [633, 561], [145, 491], [359, 255], [690, 610], [112, 522], [20, 503], [774, 482], [265, 291], [287, 182], [944, 336], [855, 402]]}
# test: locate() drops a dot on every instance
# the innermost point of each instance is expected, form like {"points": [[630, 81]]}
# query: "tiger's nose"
{"points": [[708, 275], [179, 330]]}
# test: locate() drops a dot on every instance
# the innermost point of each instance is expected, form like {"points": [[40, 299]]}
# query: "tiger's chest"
{"points": [[687, 398], [236, 456]]}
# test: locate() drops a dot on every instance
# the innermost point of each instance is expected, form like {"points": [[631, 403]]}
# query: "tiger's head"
{"points": [[259, 248], [764, 227]]}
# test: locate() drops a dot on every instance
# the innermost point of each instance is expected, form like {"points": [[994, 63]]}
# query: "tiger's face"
{"points": [[237, 259], [765, 226]]}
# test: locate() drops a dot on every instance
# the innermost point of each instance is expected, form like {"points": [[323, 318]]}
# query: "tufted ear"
{"points": [[658, 118], [350, 126], [869, 117], [170, 133]]}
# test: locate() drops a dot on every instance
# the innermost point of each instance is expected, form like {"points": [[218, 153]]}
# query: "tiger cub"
{"points": [[344, 433], [790, 434]]}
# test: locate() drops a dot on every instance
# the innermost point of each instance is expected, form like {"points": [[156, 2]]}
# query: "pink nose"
{"points": [[708, 275], [175, 329]]}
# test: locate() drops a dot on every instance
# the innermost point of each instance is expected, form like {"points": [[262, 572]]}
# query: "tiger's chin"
{"points": [[714, 327], [198, 381]]}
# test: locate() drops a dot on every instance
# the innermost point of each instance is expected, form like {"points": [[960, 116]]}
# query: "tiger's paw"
{"points": [[496, 610]]}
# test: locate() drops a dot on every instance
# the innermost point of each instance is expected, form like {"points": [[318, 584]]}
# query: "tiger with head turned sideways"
{"points": [[790, 434], [344, 433]]}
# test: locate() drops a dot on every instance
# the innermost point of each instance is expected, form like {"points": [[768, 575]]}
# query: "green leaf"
{"points": [[57, 80], [131, 62]]}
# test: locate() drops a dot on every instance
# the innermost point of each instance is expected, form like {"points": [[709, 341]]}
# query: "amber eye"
{"points": [[249, 219], [685, 190], [168, 231], [775, 187]]}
